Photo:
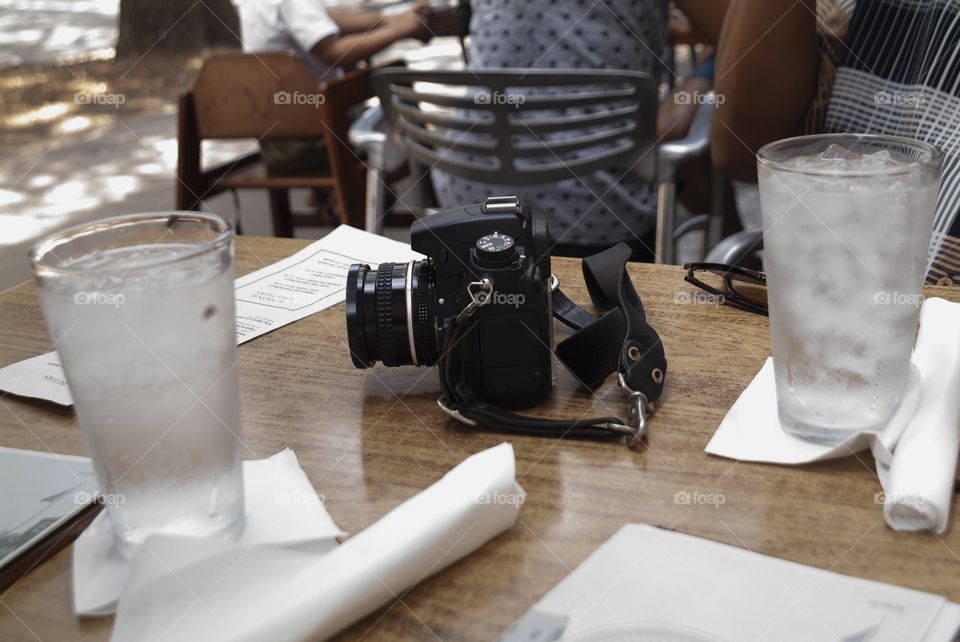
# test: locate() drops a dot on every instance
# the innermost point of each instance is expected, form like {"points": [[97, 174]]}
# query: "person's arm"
{"points": [[767, 66], [677, 112], [349, 49], [706, 16], [352, 20]]}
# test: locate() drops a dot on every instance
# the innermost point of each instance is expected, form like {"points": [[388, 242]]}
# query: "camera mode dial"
{"points": [[495, 250]]}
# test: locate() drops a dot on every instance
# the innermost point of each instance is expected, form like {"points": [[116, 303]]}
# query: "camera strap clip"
{"points": [[456, 414], [481, 293], [638, 410]]}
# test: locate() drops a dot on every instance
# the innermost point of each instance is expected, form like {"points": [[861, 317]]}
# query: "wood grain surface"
{"points": [[369, 439]]}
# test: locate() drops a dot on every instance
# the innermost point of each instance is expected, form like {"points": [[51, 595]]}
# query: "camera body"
{"points": [[401, 313]]}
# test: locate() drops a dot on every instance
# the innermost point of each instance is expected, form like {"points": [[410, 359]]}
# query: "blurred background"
{"points": [[89, 94], [88, 112]]}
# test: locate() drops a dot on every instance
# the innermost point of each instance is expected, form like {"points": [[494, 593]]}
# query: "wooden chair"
{"points": [[264, 97]]}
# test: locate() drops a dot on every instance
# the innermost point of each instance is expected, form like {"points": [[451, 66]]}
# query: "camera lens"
{"points": [[392, 314]]}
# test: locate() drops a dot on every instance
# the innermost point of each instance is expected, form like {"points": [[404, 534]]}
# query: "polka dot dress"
{"points": [[604, 207]]}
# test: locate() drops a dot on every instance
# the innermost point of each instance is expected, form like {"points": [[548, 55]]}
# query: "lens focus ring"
{"points": [[384, 294]]}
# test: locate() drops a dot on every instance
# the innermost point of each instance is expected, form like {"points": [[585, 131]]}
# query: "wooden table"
{"points": [[370, 439]]}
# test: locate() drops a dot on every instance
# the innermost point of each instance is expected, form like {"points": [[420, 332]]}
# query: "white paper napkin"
{"points": [[272, 593], [751, 430], [282, 508], [916, 453], [919, 484]]}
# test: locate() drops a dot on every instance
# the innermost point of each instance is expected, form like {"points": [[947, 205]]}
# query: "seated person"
{"points": [[327, 39], [608, 206], [897, 74]]}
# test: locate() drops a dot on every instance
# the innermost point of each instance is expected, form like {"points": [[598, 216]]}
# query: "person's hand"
{"points": [[412, 23], [676, 113]]}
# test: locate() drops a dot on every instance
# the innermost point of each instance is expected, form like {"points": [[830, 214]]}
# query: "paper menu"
{"points": [[307, 282], [647, 583], [41, 377]]}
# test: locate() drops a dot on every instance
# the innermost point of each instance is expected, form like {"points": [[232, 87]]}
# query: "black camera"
{"points": [[489, 262]]}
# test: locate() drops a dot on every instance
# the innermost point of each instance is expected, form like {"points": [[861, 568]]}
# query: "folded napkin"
{"points": [[274, 593], [920, 481], [916, 453], [282, 509]]}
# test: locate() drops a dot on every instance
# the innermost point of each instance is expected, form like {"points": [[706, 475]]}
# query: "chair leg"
{"points": [[282, 216], [375, 201], [666, 216]]}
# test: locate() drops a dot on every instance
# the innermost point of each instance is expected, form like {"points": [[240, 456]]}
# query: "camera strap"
{"points": [[618, 340]]}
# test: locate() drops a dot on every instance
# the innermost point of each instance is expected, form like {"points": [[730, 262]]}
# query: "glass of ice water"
{"points": [[141, 312], [847, 221]]}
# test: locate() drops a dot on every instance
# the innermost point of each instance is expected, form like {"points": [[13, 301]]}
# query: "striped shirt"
{"points": [[901, 75]]}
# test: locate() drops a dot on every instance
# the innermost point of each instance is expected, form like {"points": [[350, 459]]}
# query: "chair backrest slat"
{"points": [[611, 137], [443, 120], [427, 155], [428, 137], [545, 125], [520, 127], [577, 99]]}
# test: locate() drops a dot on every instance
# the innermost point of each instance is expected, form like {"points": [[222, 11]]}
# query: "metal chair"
{"points": [[424, 115], [740, 249]]}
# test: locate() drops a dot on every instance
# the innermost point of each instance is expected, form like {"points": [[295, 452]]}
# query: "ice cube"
{"points": [[879, 160], [839, 158], [839, 152]]}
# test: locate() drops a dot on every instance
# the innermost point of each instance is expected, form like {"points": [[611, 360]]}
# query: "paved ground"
{"points": [[120, 169], [37, 31], [89, 172]]}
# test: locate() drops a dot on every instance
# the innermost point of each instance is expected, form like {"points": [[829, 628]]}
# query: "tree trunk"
{"points": [[176, 26]]}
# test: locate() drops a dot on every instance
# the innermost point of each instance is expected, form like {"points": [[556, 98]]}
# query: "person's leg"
{"points": [[294, 155]]}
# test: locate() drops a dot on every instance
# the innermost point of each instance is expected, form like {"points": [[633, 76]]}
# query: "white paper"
{"points": [[41, 377], [648, 583], [311, 280], [751, 429], [282, 595], [916, 454], [281, 508]]}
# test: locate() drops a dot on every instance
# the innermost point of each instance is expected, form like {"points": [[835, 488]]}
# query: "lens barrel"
{"points": [[392, 314]]}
